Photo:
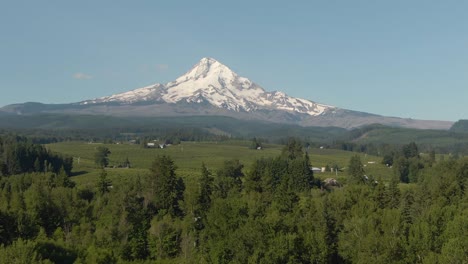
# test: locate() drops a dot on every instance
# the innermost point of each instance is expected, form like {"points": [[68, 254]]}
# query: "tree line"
{"points": [[20, 155], [275, 211]]}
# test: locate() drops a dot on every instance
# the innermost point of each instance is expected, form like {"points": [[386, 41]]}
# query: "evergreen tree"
{"points": [[414, 166], [253, 179], [7, 228], [37, 165], [356, 170], [410, 150], [388, 159], [407, 212], [401, 168], [229, 178], [206, 189], [167, 187], [138, 217], [301, 177], [393, 194], [293, 149], [380, 195], [104, 183], [101, 156]]}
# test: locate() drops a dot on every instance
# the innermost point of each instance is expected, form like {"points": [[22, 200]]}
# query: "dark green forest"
{"points": [[372, 139], [460, 126], [46, 128], [21, 155], [275, 211]]}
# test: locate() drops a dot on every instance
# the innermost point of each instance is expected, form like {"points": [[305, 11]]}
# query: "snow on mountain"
{"points": [[211, 81]]}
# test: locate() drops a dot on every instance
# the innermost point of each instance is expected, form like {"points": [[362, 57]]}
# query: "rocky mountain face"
{"points": [[212, 82], [211, 88]]}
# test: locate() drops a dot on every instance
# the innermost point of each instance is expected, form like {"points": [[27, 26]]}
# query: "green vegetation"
{"points": [[356, 170], [371, 139], [190, 155], [376, 139], [19, 155], [460, 126], [101, 156], [227, 202], [57, 127]]}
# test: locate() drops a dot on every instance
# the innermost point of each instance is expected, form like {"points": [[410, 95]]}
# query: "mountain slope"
{"points": [[212, 82], [212, 89], [460, 126]]}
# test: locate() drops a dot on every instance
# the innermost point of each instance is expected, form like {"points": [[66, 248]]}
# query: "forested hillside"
{"points": [[460, 126], [274, 211], [49, 128], [19, 155]]}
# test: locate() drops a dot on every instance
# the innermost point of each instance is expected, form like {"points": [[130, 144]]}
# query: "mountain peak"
{"points": [[207, 67], [207, 60], [213, 82]]}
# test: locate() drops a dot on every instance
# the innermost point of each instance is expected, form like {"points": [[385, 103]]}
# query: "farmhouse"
{"points": [[316, 169]]}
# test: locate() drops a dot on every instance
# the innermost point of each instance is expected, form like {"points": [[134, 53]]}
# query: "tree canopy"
{"points": [[101, 157], [273, 211]]}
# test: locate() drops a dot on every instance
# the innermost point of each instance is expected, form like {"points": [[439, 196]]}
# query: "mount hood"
{"points": [[212, 82], [211, 88]]}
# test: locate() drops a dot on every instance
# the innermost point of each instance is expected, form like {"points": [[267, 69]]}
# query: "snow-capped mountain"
{"points": [[212, 82], [212, 89]]}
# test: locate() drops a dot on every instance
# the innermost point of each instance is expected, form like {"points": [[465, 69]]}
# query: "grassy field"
{"points": [[188, 157]]}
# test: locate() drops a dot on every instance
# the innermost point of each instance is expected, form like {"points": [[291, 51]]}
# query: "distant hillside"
{"points": [[210, 124], [460, 126], [2, 113], [442, 141]]}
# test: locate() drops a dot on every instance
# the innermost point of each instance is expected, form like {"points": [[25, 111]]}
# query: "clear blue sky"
{"points": [[395, 58]]}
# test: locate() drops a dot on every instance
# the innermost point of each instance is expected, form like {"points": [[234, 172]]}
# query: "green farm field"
{"points": [[188, 157]]}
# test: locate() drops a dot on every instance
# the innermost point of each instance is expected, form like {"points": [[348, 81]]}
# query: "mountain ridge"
{"points": [[213, 82], [212, 88]]}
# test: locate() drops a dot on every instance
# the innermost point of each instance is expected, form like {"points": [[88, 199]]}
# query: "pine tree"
{"points": [[206, 189], [101, 156], [410, 150], [293, 149], [393, 194], [229, 178], [380, 196], [167, 187], [104, 183], [356, 170], [401, 168], [37, 165], [253, 179]]}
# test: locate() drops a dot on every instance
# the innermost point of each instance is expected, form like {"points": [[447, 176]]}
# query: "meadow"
{"points": [[189, 156]]}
